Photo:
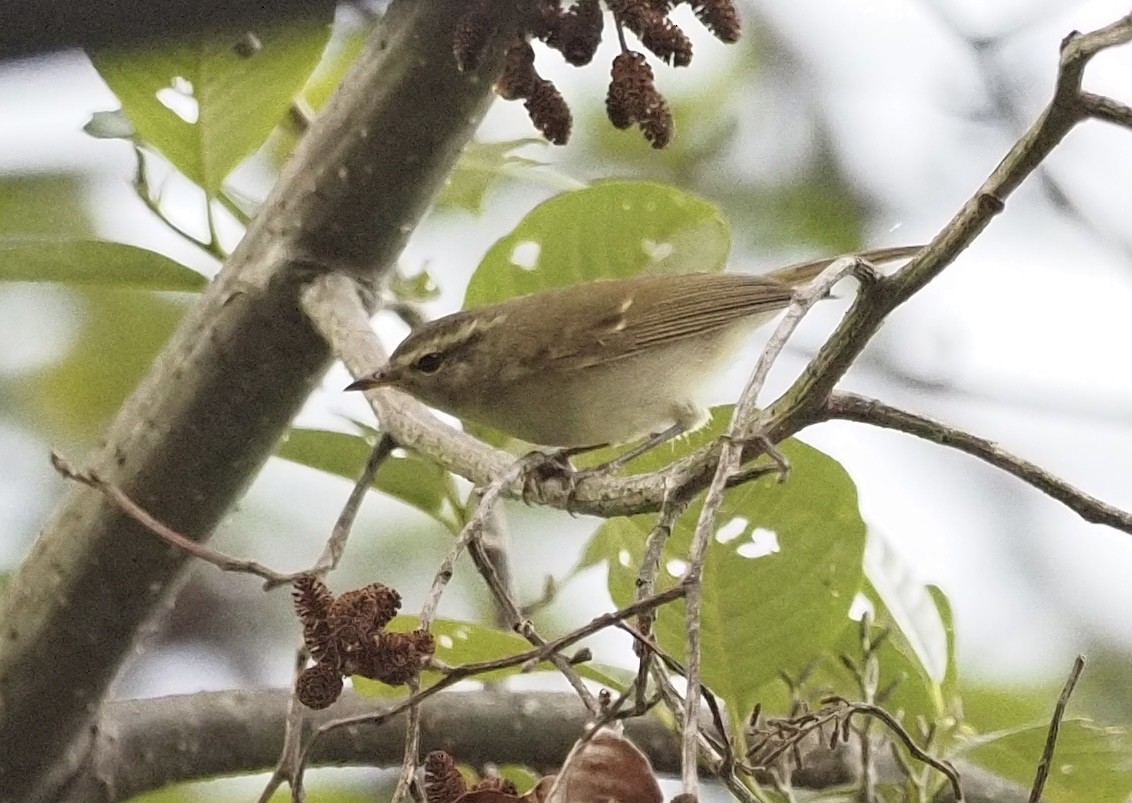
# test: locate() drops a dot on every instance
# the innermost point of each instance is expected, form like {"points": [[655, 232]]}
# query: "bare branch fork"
{"points": [[333, 305]]}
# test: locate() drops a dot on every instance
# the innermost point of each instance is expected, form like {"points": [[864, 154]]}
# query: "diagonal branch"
{"points": [[1070, 105], [851, 407]]}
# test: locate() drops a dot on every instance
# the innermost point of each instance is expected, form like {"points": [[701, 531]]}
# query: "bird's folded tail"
{"points": [[803, 272]]}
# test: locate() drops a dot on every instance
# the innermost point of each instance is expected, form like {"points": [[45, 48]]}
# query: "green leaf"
{"points": [[1091, 764], [45, 206], [465, 643], [348, 43], [989, 708], [118, 335], [919, 652], [780, 575], [610, 229], [484, 163], [916, 693], [229, 97], [94, 262], [415, 481]]}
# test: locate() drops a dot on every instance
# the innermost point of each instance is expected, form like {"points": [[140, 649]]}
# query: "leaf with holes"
{"points": [[610, 229], [205, 102], [781, 573]]}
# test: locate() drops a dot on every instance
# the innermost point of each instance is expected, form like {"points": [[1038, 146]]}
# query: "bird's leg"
{"points": [[542, 466], [539, 466], [654, 440], [780, 464]]}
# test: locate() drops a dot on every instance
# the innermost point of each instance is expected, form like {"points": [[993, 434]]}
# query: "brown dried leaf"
{"points": [[606, 769]]}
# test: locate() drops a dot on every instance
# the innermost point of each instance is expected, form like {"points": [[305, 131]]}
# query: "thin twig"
{"points": [[481, 517], [711, 759], [509, 608], [851, 407], [1106, 109], [469, 535], [674, 506], [721, 746], [412, 750], [729, 460], [489, 552], [336, 544], [848, 709], [166, 533], [471, 530], [454, 675], [286, 768], [1042, 774]]}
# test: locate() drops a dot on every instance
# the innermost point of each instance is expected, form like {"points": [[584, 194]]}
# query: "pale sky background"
{"points": [[1025, 340]]}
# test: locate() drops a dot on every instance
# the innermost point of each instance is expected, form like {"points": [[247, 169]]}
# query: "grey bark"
{"points": [[145, 744], [206, 417]]}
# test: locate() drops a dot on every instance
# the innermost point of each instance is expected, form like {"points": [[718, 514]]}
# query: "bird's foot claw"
{"points": [[540, 469]]}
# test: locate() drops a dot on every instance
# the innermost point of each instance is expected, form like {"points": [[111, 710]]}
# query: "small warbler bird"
{"points": [[597, 363]]}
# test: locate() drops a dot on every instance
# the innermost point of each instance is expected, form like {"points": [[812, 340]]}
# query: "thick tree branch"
{"points": [[851, 407], [146, 744], [203, 421]]}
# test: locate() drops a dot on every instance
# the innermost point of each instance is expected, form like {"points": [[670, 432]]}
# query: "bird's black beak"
{"points": [[375, 380]]}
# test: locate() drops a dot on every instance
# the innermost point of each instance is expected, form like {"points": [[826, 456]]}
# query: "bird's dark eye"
{"points": [[428, 363]]}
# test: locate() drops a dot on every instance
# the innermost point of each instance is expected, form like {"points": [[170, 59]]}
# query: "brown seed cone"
{"points": [[668, 42], [575, 33], [313, 601], [319, 686], [395, 658], [518, 77], [361, 613], [655, 30], [473, 32], [720, 17], [630, 85], [633, 98], [443, 782], [549, 112]]}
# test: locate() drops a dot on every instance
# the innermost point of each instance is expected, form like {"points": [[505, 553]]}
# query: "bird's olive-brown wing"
{"points": [[620, 319]]}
